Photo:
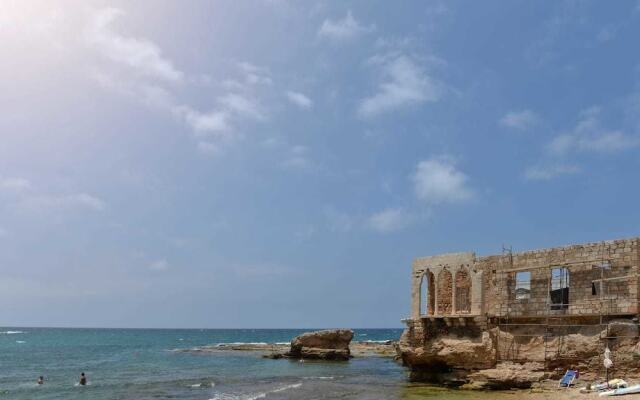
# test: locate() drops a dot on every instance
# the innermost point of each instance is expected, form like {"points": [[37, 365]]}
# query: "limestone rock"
{"points": [[507, 375], [322, 345], [447, 352]]}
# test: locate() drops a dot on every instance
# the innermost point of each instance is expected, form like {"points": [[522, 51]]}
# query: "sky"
{"points": [[237, 164]]}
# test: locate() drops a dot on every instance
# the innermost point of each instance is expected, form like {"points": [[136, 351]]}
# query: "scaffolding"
{"points": [[523, 319]]}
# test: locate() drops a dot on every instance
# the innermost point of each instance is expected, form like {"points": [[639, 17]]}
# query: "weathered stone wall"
{"points": [[582, 261], [444, 293], [602, 281], [446, 266]]}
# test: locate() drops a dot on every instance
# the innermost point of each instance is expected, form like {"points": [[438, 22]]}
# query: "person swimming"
{"points": [[83, 379], [41, 380]]}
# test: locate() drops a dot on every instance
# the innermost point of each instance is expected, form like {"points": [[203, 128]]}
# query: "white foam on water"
{"points": [[202, 385], [319, 377], [10, 332], [20, 341], [292, 386], [242, 343], [254, 396], [376, 341]]}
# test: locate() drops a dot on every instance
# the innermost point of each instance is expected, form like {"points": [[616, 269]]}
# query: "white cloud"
{"points": [[254, 74], [606, 34], [406, 84], [298, 158], [15, 184], [215, 121], [389, 220], [437, 181], [142, 55], [141, 72], [344, 29], [25, 195], [521, 120], [241, 106], [74, 201], [159, 265], [83, 200], [548, 172], [589, 136], [299, 100]]}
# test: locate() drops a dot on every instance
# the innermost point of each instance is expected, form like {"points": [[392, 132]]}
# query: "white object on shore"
{"points": [[607, 358], [621, 391]]}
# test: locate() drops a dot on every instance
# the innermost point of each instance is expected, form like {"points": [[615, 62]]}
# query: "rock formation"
{"points": [[322, 345], [476, 357]]}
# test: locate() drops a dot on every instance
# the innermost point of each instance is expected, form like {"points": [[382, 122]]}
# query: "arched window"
{"points": [[445, 291], [463, 291], [427, 294]]}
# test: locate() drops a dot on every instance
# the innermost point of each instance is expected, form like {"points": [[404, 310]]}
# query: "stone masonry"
{"points": [[553, 307]]}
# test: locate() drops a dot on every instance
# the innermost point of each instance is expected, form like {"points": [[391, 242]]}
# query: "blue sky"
{"points": [[280, 163]]}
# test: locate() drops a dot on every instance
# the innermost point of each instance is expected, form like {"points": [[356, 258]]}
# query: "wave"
{"points": [[319, 377], [10, 332], [202, 385], [20, 341], [242, 343], [292, 386], [254, 396]]}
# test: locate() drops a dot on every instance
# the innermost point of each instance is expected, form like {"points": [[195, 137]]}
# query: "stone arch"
{"points": [[445, 292], [427, 293], [462, 286]]}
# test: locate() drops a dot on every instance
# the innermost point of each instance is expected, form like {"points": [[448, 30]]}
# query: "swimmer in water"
{"points": [[41, 380], [83, 379]]}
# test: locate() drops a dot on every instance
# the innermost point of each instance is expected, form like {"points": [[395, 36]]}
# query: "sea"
{"points": [[143, 364]]}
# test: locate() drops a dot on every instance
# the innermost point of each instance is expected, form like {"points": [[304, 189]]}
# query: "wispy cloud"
{"points": [[15, 184], [437, 181], [589, 136], [298, 158], [142, 55], [26, 196], [405, 83], [343, 29], [299, 99], [159, 265], [389, 220], [548, 172], [519, 120], [150, 77]]}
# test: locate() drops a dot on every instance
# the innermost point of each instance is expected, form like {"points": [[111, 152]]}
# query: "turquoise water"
{"points": [[139, 364]]}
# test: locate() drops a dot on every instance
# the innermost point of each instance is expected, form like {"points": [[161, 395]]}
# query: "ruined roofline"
{"points": [[465, 257], [569, 246]]}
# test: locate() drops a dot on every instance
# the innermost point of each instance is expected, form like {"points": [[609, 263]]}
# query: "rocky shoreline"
{"points": [[357, 349], [332, 344]]}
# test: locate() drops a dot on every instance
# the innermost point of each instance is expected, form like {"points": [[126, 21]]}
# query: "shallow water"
{"points": [[139, 364]]}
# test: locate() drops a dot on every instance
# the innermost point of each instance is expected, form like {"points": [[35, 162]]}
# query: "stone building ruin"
{"points": [[551, 308]]}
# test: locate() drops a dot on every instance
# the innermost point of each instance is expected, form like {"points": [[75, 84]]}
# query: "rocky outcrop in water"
{"points": [[330, 344]]}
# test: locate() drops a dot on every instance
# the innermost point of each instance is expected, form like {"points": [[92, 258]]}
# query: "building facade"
{"points": [[586, 280], [553, 308]]}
